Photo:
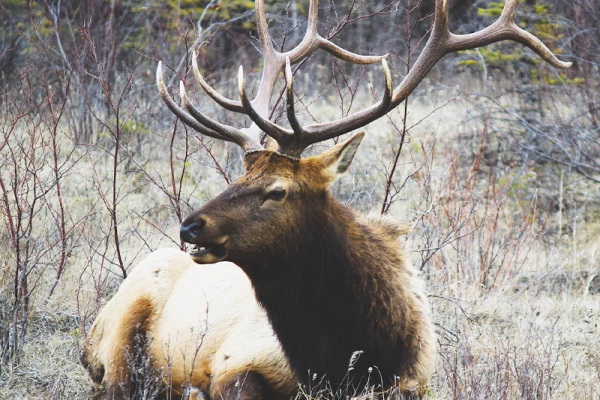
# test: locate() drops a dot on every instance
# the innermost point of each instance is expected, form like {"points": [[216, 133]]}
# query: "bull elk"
{"points": [[332, 283]]}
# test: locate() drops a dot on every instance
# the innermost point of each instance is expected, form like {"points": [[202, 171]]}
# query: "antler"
{"points": [[294, 141]]}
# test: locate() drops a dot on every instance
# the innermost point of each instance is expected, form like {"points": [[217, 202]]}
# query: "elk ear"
{"points": [[250, 158], [337, 160]]}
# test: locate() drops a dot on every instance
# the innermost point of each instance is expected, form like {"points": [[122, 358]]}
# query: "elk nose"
{"points": [[188, 231]]}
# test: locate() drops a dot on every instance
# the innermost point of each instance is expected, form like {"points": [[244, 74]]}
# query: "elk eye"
{"points": [[276, 194]]}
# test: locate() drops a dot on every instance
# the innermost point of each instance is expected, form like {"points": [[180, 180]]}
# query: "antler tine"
{"points": [[275, 131], [199, 122], [313, 41], [346, 55], [223, 101], [504, 29], [263, 29], [291, 112], [271, 67], [233, 134], [180, 113]]}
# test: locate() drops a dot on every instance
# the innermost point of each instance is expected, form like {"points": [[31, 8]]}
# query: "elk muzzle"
{"points": [[190, 229], [209, 245]]}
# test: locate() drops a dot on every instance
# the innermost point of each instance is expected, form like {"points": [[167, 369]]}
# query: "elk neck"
{"points": [[335, 289]]}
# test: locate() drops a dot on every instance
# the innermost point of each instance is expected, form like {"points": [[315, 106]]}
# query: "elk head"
{"points": [[268, 204], [278, 186]]}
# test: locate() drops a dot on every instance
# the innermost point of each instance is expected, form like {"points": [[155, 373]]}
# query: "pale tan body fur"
{"points": [[201, 318]]}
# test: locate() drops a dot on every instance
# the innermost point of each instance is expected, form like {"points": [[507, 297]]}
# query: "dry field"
{"points": [[513, 280]]}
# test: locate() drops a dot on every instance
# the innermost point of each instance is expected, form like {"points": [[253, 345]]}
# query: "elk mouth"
{"points": [[207, 253]]}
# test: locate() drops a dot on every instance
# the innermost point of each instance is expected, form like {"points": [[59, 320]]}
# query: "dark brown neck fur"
{"points": [[339, 290]]}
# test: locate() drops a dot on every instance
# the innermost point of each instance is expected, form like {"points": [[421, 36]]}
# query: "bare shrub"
{"points": [[38, 228]]}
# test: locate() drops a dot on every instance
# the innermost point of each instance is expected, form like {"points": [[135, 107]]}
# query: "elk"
{"points": [[198, 326], [333, 283]]}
